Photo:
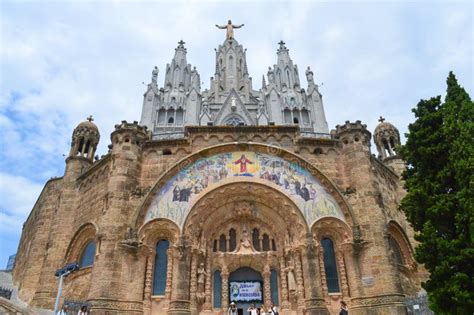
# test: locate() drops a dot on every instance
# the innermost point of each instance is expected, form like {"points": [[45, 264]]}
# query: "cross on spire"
{"points": [[181, 43], [381, 119], [281, 43], [90, 118]]}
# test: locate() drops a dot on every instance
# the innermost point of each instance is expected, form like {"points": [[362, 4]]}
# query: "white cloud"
{"points": [[18, 194]]}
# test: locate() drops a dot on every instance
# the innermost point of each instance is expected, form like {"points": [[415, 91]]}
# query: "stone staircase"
{"points": [[15, 305]]}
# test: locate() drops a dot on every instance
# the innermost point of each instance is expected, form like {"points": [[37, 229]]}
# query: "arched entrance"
{"points": [[243, 230], [243, 209], [246, 288]]}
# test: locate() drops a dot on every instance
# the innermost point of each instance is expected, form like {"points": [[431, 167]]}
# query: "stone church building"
{"points": [[227, 194]]}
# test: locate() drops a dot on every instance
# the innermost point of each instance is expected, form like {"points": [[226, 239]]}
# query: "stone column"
{"points": [[148, 282], [169, 278], [342, 273], [353, 273], [208, 301], [180, 304], [322, 272], [299, 278], [267, 295], [225, 288], [314, 302], [285, 302], [193, 286]]}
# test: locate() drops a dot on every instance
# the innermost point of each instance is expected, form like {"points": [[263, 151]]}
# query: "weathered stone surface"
{"points": [[106, 201]]}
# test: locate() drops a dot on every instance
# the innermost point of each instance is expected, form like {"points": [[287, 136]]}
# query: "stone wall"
{"points": [[110, 194]]}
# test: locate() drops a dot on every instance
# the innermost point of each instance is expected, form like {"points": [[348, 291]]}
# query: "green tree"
{"points": [[439, 179]]}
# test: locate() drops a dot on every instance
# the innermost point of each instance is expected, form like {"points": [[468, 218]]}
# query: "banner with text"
{"points": [[246, 291]]}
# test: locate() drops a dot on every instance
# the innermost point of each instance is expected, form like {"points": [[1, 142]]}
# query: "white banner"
{"points": [[245, 291]]}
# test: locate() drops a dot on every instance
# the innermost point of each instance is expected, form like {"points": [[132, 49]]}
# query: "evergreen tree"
{"points": [[439, 179]]}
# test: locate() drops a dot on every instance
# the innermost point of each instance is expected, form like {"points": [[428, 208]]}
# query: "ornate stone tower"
{"points": [[286, 102], [386, 138], [167, 110], [85, 139], [231, 99]]}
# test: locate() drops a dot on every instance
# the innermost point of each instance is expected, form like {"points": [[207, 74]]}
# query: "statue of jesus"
{"points": [[230, 29]]}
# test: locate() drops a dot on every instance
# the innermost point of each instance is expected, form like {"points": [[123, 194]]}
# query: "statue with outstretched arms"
{"points": [[230, 28]]}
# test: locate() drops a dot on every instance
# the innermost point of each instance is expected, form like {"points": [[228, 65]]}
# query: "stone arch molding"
{"points": [[84, 234], [191, 178]]}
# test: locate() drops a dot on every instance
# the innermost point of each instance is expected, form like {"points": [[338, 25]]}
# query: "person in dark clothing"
{"points": [[344, 309]]}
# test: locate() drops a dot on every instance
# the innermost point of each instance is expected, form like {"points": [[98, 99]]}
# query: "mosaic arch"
{"points": [[173, 201]]}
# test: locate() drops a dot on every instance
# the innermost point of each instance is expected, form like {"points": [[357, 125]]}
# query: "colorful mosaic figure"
{"points": [[174, 198], [243, 161]]}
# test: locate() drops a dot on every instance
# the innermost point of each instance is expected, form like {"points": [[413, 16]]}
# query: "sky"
{"points": [[61, 61]]}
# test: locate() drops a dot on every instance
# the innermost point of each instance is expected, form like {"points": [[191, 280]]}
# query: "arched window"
{"points": [[274, 247], [232, 240], [233, 121], [231, 65], [79, 148], [88, 144], [255, 239], [217, 289], [266, 243], [397, 252], [274, 286], [170, 120], [161, 264], [295, 120], [161, 116], [214, 248], [305, 115], [222, 243], [179, 116], [88, 255], [330, 267], [287, 116]]}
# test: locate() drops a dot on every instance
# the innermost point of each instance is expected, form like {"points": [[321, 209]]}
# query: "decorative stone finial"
{"points": [[90, 118], [381, 119], [282, 47], [181, 44]]}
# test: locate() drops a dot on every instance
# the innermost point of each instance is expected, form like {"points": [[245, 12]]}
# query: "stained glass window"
{"points": [[330, 266], [217, 289], [88, 255], [274, 286], [161, 264]]}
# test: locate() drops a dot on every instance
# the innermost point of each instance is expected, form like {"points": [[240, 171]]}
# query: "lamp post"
{"points": [[61, 273]]}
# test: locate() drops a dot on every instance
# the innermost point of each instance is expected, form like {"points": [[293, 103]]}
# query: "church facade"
{"points": [[227, 194]]}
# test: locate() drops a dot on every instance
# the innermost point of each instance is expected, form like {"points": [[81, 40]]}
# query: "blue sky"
{"points": [[62, 61]]}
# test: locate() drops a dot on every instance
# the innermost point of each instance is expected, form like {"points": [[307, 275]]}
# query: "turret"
{"points": [[85, 139], [354, 137], [128, 137], [387, 138]]}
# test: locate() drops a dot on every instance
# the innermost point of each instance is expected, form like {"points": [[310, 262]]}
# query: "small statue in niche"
{"points": [[201, 277], [154, 75], [270, 75], [245, 244], [291, 279], [195, 79], [309, 76]]}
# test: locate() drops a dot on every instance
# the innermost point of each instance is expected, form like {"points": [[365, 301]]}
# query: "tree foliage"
{"points": [[439, 179]]}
